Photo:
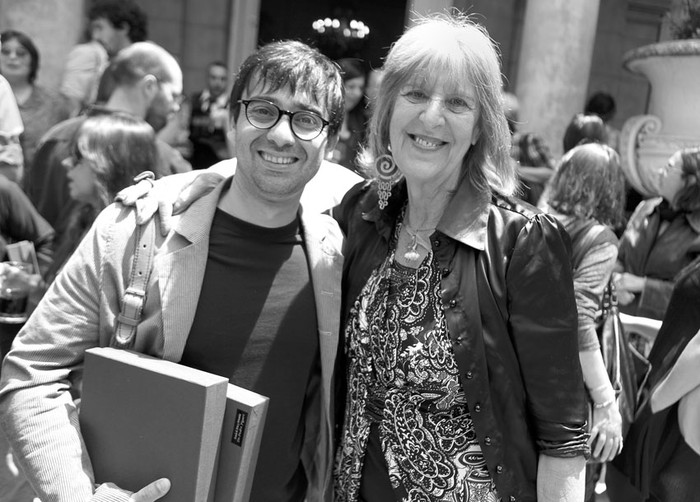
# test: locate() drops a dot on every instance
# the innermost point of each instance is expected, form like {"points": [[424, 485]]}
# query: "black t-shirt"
{"points": [[256, 324]]}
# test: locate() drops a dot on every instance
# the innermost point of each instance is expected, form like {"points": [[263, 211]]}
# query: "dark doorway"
{"points": [[281, 19]]}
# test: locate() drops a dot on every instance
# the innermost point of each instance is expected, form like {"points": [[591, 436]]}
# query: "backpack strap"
{"points": [[135, 294]]}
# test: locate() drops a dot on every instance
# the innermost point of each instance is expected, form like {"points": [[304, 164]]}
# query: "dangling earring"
{"points": [[386, 170]]}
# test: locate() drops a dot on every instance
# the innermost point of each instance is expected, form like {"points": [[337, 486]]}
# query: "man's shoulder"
{"points": [[328, 187]]}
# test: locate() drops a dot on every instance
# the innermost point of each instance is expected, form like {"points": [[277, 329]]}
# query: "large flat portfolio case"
{"points": [[144, 418], [240, 443]]}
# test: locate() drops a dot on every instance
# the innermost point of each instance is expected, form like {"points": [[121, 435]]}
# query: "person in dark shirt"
{"points": [[208, 119], [246, 285]]}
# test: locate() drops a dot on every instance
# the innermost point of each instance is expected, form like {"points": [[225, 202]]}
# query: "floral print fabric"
{"points": [[403, 379]]}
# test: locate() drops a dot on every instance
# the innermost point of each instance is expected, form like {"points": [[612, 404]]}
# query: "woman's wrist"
{"points": [[603, 393], [603, 404]]}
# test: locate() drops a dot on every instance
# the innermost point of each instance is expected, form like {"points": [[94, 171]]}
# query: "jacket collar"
{"points": [[464, 220], [189, 223], [466, 215]]}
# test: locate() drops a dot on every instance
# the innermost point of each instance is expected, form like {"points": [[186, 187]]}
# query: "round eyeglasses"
{"points": [[263, 114]]}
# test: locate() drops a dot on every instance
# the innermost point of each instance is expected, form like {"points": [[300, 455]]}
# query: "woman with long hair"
{"points": [[587, 196], [661, 238], [110, 150]]}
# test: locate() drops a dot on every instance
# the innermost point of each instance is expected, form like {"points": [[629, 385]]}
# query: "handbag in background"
{"points": [[626, 366]]}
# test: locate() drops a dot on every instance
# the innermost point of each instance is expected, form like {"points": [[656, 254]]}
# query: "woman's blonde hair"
{"points": [[456, 49]]}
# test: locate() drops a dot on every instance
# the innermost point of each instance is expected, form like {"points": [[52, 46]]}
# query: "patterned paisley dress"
{"points": [[403, 384]]}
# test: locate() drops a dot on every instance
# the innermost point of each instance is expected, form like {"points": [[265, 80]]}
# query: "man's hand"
{"points": [[152, 492]]}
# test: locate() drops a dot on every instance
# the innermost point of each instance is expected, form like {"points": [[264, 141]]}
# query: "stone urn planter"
{"points": [[673, 119]]}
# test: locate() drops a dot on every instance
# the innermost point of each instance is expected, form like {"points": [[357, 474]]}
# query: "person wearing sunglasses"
{"points": [[252, 293]]}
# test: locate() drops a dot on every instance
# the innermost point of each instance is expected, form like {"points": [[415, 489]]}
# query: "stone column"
{"points": [[243, 31], [554, 65], [54, 26]]}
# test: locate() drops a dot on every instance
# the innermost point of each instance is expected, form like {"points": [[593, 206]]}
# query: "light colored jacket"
{"points": [[41, 376]]}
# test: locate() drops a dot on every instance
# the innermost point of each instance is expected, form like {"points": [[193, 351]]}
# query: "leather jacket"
{"points": [[508, 296]]}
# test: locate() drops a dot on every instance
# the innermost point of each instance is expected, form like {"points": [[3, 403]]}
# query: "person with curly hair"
{"points": [[587, 195]]}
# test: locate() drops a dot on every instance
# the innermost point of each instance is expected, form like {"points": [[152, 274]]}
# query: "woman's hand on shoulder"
{"points": [[168, 196]]}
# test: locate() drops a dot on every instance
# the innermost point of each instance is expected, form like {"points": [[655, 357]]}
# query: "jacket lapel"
{"points": [[181, 263], [323, 241]]}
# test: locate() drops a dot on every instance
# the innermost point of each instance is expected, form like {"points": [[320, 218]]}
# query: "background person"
{"points": [[661, 238], [374, 78], [603, 104], [583, 128], [587, 196], [147, 83], [39, 107], [661, 457], [352, 132], [11, 127], [535, 163], [114, 25], [109, 151], [209, 119]]}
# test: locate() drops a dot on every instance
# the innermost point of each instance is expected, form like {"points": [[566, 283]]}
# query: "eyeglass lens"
{"points": [[264, 115]]}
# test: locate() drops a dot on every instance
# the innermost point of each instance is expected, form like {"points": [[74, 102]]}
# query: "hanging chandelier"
{"points": [[340, 27]]}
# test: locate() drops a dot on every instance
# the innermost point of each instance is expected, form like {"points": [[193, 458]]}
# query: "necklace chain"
{"points": [[411, 254]]}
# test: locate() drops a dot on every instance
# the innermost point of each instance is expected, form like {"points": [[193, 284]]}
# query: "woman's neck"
{"points": [[424, 212], [21, 89], [426, 205]]}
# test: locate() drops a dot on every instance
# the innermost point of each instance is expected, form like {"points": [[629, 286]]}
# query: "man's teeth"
{"points": [[276, 160]]}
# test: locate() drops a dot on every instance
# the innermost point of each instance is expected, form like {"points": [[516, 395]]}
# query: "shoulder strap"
{"points": [[583, 240], [135, 294]]}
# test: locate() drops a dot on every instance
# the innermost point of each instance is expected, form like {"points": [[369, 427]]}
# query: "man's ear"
{"points": [[331, 144], [231, 138], [150, 86]]}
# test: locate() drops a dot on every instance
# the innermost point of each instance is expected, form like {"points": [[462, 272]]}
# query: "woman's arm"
{"points": [[606, 422], [561, 479]]}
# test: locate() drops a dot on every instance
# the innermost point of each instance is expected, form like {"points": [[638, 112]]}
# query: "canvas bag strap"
{"points": [[135, 294]]}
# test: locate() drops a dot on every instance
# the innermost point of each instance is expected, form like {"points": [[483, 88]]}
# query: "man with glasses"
{"points": [[145, 80], [245, 285]]}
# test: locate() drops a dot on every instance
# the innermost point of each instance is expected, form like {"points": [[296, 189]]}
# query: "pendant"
{"points": [[411, 254]]}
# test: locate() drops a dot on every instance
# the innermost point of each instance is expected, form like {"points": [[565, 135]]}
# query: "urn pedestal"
{"points": [[673, 119]]}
